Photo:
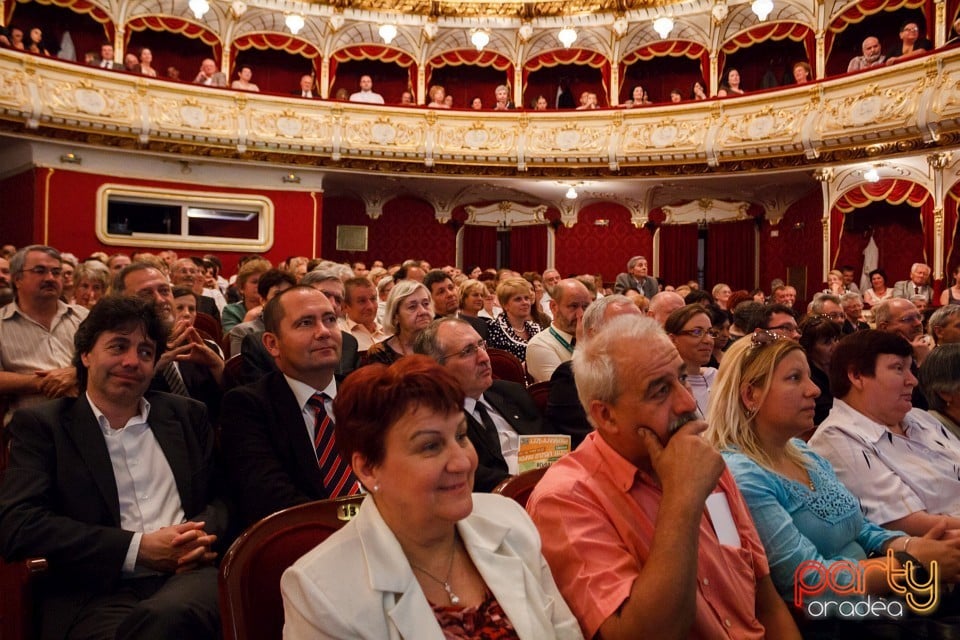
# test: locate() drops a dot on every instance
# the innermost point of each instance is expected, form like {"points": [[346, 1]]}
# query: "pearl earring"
{"points": [[376, 488]]}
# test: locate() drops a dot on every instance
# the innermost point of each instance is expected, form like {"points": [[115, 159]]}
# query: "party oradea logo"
{"points": [[839, 589]]}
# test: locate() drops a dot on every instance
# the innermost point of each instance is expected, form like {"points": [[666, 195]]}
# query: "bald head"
{"points": [[663, 304]]}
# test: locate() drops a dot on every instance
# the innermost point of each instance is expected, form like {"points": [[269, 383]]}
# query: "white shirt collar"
{"points": [[303, 392], [140, 418]]}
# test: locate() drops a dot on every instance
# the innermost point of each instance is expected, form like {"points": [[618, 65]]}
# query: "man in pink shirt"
{"points": [[644, 528]]}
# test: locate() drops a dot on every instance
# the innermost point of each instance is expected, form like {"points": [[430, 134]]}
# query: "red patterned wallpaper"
{"points": [[895, 228], [798, 243], [587, 248]]}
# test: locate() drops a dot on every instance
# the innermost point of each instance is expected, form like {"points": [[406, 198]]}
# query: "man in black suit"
{"points": [[106, 58], [306, 87], [498, 412], [446, 301], [636, 278], [189, 367], [116, 489], [271, 428]]}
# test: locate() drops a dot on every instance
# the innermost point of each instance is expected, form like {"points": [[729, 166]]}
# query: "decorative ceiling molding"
{"points": [[706, 210], [506, 214]]}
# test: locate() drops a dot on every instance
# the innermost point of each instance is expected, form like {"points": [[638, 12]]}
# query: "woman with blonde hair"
{"points": [[835, 283], [763, 398], [513, 328], [409, 311], [472, 293]]}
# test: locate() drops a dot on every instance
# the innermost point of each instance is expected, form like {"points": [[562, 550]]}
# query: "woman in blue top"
{"points": [[763, 397]]}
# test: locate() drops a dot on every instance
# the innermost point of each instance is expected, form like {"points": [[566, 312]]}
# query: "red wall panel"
{"points": [[17, 220], [587, 248], [799, 243]]}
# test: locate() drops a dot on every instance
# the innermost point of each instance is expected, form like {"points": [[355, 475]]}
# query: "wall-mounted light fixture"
{"points": [[762, 8], [71, 158], [294, 22], [567, 36], [388, 32], [199, 8], [291, 178], [663, 26]]}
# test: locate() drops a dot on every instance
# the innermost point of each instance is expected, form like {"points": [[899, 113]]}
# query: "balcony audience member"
{"points": [[910, 45], [306, 87], [636, 278], [476, 103], [105, 61], [209, 76], [146, 60], [131, 63], [189, 367], [802, 73], [437, 94], [636, 98], [501, 96], [697, 91], [409, 311], [366, 94], [588, 101], [498, 412], [421, 538], [852, 305], [731, 84], [540, 104], [446, 301], [406, 98], [834, 282], [173, 73], [802, 511], [625, 520], [250, 303], [548, 349], [448, 100], [35, 45], [278, 444], [878, 291], [956, 31], [675, 96], [124, 563], [951, 295], [360, 304], [513, 328], [244, 75], [872, 56], [944, 325], [16, 39], [897, 459], [29, 374], [92, 282], [917, 285], [941, 386]]}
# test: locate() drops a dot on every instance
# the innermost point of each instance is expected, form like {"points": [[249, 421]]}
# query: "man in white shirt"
{"points": [[366, 93], [116, 487], [917, 285], [550, 279], [360, 304], [549, 349], [306, 87]]}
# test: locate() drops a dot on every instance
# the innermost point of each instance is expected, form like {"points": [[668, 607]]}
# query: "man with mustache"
{"points": [[642, 525], [36, 330], [497, 411]]}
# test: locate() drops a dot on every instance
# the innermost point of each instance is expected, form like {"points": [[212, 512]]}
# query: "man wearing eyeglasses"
{"points": [[917, 285], [36, 331], [827, 305], [899, 316], [780, 319], [498, 412]]}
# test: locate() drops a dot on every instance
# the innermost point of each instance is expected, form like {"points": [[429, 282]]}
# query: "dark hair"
{"points": [[938, 375], [185, 291], [678, 318], [120, 281], [748, 315], [271, 278], [273, 310], [116, 313], [771, 309], [356, 282], [433, 277], [816, 328], [717, 315], [880, 272], [373, 398], [699, 296], [857, 353]]}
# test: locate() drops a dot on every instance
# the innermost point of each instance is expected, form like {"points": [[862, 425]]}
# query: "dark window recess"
{"points": [[223, 223], [125, 218]]}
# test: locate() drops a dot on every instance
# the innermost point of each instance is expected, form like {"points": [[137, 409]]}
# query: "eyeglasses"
{"points": [[699, 332], [910, 318], [469, 351], [42, 271], [836, 315], [763, 338], [912, 29]]}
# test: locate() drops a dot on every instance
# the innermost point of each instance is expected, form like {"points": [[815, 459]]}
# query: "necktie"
{"points": [[338, 478], [174, 380], [489, 429], [103, 64], [916, 290]]}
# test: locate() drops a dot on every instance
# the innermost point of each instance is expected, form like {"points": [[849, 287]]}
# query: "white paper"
{"points": [[723, 524]]}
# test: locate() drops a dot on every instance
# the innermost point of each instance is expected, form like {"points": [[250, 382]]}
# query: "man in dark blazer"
{"points": [[268, 428], [446, 301], [117, 490], [497, 411], [636, 278], [306, 87], [105, 61]]}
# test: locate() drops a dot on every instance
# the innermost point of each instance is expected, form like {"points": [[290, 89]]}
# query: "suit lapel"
{"points": [[488, 444], [82, 426], [290, 419], [507, 409]]}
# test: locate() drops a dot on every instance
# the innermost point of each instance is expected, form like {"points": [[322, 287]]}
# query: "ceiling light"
{"points": [[525, 32], [762, 8], [388, 32], [620, 26], [663, 25], [199, 8], [567, 36], [871, 175], [430, 30], [294, 22], [571, 194], [480, 38]]}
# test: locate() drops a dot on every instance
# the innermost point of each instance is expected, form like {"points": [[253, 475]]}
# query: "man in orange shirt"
{"points": [[644, 528]]}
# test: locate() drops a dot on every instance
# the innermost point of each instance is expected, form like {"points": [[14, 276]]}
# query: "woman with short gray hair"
{"points": [[941, 386]]}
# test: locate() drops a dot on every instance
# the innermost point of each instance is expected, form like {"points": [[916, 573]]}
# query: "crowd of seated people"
{"points": [[692, 502]]}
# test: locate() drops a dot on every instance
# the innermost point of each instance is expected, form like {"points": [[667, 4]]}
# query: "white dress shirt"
{"points": [[303, 392]]}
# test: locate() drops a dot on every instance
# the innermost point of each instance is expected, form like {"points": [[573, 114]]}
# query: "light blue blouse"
{"points": [[797, 524]]}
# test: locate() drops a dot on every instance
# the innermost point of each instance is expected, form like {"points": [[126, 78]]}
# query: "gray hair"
{"points": [[938, 374], [400, 292], [817, 305], [883, 312], [383, 283], [594, 316], [19, 259], [850, 296], [631, 263], [595, 362], [317, 276], [427, 341], [940, 318]]}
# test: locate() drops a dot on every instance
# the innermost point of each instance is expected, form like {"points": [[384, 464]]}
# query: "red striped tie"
{"points": [[338, 478]]}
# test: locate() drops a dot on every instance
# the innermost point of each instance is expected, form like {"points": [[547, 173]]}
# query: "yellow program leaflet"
{"points": [[541, 451]]}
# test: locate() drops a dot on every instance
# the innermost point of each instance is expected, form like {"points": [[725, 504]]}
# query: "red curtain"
{"points": [[731, 254], [528, 248], [857, 12], [769, 32], [678, 253], [182, 26], [671, 48], [574, 57], [479, 246], [381, 53]]}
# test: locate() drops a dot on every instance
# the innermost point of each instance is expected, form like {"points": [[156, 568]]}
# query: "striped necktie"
{"points": [[174, 380], [338, 478]]}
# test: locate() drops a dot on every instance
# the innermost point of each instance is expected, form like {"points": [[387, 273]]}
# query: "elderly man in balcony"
{"points": [[209, 76], [872, 57]]}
